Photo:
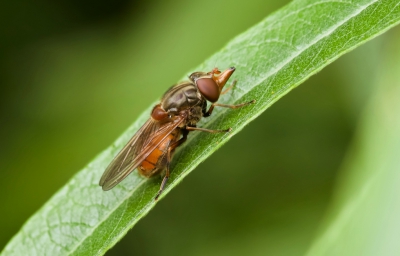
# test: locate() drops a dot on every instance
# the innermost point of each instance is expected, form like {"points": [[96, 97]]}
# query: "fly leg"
{"points": [[190, 128], [170, 149], [210, 110], [229, 88]]}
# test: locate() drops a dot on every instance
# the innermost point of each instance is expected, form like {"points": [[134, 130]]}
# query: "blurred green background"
{"points": [[75, 74]]}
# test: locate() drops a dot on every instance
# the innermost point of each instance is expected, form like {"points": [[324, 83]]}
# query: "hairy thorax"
{"points": [[195, 114], [185, 97]]}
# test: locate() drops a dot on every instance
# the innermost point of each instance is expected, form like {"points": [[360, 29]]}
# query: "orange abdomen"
{"points": [[157, 159]]}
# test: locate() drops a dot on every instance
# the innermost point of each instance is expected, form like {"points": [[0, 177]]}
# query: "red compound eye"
{"points": [[208, 88]]}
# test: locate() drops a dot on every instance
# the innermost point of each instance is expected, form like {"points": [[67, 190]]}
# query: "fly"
{"points": [[151, 149]]}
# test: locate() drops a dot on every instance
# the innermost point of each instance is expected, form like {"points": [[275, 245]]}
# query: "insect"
{"points": [[150, 150]]}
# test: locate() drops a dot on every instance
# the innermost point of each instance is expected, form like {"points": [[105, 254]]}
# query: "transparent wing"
{"points": [[146, 139]]}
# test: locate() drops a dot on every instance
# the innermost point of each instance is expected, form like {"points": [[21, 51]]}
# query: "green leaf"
{"points": [[364, 218], [271, 58]]}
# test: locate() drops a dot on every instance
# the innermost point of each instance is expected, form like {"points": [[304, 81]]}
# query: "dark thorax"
{"points": [[185, 97]]}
